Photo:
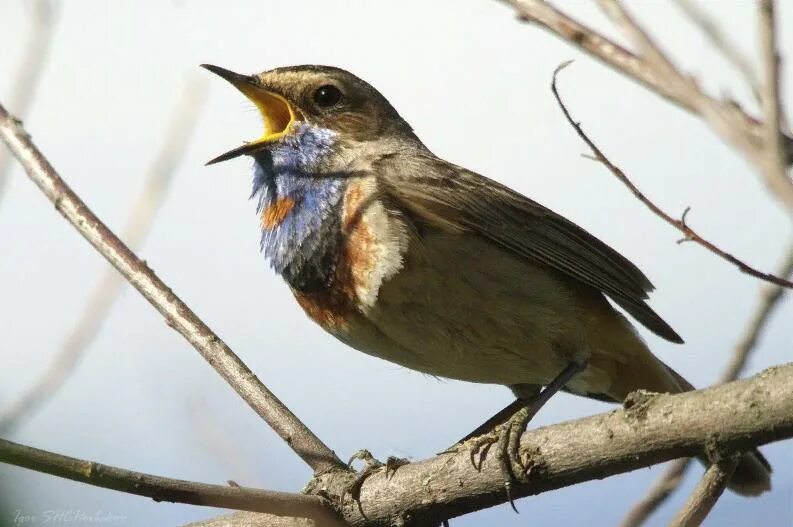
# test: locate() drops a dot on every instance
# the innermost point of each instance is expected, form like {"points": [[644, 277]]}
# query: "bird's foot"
{"points": [[371, 465], [506, 437]]}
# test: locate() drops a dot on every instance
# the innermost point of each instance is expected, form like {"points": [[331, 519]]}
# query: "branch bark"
{"points": [[96, 310], [176, 313], [167, 489], [652, 429]]}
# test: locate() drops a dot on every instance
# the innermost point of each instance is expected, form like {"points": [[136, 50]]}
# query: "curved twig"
{"points": [[725, 117], [679, 224]]}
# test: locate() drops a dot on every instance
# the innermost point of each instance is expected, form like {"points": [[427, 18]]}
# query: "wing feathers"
{"points": [[454, 198]]}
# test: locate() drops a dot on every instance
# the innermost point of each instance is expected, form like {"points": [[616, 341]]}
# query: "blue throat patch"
{"points": [[302, 246]]}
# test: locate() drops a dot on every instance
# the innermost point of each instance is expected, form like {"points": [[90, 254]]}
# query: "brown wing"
{"points": [[444, 194]]}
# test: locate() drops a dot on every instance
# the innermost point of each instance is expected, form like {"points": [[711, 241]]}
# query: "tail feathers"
{"points": [[752, 476]]}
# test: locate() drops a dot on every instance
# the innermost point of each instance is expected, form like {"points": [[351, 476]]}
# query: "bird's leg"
{"points": [[503, 415], [371, 465], [508, 431]]}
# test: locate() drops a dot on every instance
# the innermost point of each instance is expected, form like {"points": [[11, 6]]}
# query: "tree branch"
{"points": [[658, 74], [671, 479], [654, 428], [166, 489], [706, 493], [681, 225], [177, 314], [96, 310]]}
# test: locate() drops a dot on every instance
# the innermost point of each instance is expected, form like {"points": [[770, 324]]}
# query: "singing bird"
{"points": [[412, 259]]}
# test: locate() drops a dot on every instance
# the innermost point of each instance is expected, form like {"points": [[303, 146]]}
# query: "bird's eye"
{"points": [[327, 96]]}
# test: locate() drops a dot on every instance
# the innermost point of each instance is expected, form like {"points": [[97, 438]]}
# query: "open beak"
{"points": [[277, 114]]}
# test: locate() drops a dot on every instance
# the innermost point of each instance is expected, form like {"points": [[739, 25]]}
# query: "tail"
{"points": [[752, 477]]}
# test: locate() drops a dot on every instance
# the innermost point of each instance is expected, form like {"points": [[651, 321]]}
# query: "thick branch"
{"points": [[96, 310], [166, 489], [302, 440], [681, 225], [655, 428], [706, 493]]}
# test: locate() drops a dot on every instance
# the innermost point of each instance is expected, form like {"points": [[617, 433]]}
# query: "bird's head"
{"points": [[323, 97]]}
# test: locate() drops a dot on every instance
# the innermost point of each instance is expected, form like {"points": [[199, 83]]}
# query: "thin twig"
{"points": [[96, 310], [723, 43], [681, 224], [706, 493], [176, 313], [671, 479], [725, 117], [773, 161], [43, 19], [166, 489]]}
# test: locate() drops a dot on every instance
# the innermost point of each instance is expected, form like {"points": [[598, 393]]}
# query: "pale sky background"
{"points": [[475, 85]]}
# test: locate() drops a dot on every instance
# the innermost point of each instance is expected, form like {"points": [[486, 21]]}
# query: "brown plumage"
{"points": [[412, 259]]}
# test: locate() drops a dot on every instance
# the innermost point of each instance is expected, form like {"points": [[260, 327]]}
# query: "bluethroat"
{"points": [[412, 259]]}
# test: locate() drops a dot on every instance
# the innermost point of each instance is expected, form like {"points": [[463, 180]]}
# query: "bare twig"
{"points": [[166, 489], [679, 224], [657, 73], [774, 158], [671, 479], [43, 18], [723, 43], [97, 308], [177, 314], [706, 493]]}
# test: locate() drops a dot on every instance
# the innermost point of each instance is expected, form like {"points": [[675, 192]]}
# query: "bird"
{"points": [[410, 258]]}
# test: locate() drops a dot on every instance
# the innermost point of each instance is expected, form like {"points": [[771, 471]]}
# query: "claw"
{"points": [[371, 465], [506, 437], [392, 464], [481, 445]]}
